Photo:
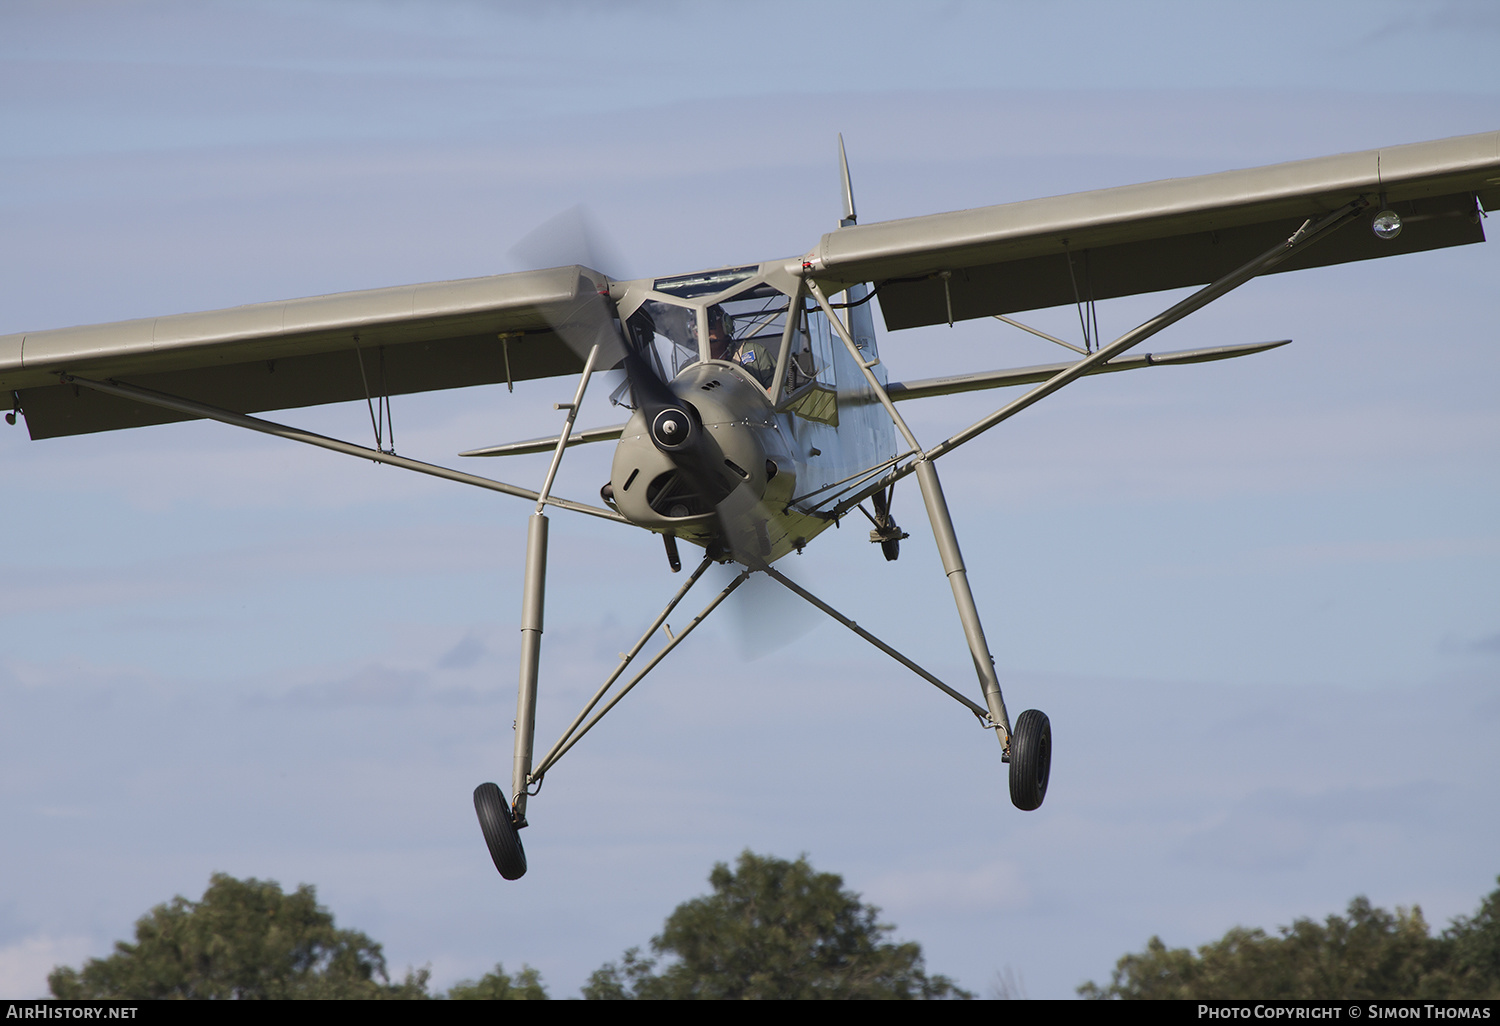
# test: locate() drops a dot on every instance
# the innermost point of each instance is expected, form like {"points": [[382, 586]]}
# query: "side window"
{"points": [[812, 351], [861, 321]]}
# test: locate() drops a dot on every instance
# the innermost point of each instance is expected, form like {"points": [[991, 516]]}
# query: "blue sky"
{"points": [[1257, 599]]}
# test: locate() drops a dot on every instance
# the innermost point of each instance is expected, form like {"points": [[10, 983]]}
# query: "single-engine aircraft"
{"points": [[761, 412]]}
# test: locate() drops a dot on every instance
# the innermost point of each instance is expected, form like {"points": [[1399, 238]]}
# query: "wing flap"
{"points": [[927, 388]]}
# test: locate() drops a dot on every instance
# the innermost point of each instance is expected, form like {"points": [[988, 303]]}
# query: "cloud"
{"points": [[1489, 645], [463, 655], [1277, 829], [24, 966], [370, 685], [993, 885]]}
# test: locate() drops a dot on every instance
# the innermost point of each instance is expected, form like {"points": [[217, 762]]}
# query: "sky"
{"points": [[1259, 600]]}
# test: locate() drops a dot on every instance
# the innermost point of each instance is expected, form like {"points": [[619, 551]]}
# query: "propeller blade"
{"points": [[764, 617], [592, 321], [674, 424], [744, 518], [573, 237]]}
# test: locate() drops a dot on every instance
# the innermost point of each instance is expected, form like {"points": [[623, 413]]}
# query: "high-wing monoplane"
{"points": [[757, 409]]}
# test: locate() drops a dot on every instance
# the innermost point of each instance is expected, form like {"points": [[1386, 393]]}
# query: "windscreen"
{"points": [[666, 336], [747, 329]]}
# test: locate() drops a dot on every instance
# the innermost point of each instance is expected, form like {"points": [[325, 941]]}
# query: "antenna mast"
{"points": [[847, 190]]}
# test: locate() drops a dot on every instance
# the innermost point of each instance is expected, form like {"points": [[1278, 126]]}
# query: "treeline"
{"points": [[769, 929], [1365, 953]]}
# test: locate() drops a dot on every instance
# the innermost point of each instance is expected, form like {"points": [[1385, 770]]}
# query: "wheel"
{"points": [[1030, 759], [892, 549], [500, 831]]}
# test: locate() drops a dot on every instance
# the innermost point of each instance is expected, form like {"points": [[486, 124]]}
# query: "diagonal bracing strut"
{"points": [[625, 660], [937, 509], [574, 733], [795, 589]]}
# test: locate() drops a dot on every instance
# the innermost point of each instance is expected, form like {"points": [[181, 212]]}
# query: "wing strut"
{"points": [[1041, 334], [1309, 233], [942, 530], [381, 420], [932, 492], [195, 409]]}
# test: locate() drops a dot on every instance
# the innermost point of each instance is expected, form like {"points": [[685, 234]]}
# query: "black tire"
{"points": [[1030, 760], [892, 549], [500, 831]]}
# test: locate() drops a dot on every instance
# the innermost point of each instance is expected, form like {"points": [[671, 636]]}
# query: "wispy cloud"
{"points": [[464, 654], [24, 965], [1489, 645]]}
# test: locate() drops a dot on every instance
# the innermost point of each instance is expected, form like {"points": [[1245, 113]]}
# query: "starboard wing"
{"points": [[302, 352], [1160, 235]]}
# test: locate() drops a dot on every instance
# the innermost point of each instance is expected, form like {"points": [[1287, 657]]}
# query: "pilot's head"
{"points": [[720, 340]]}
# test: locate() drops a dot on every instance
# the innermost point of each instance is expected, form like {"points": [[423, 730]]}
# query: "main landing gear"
{"points": [[500, 833], [1030, 760]]}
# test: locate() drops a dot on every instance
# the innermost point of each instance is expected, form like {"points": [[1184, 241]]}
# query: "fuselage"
{"points": [[790, 425]]}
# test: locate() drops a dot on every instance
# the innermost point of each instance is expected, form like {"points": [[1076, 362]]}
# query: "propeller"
{"points": [[764, 617], [674, 425]]}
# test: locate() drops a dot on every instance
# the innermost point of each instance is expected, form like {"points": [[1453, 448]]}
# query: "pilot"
{"points": [[720, 337], [749, 354]]}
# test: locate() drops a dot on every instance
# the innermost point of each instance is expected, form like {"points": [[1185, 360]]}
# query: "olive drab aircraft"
{"points": [[760, 412]]}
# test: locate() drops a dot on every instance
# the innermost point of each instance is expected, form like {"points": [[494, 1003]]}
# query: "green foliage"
{"points": [[632, 978], [1367, 953], [1471, 951], [776, 930], [245, 939], [498, 985]]}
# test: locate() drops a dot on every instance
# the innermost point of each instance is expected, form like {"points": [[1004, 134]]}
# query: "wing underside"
{"points": [[304, 352], [1161, 235], [927, 270]]}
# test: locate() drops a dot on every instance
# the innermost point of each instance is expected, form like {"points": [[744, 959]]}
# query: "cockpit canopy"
{"points": [[737, 316]]}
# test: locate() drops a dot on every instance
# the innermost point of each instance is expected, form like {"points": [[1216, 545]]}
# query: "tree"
{"points": [[1471, 951], [776, 930], [1366, 953], [244, 939], [498, 985]]}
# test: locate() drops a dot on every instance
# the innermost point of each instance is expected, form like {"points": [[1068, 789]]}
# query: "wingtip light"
{"points": [[1386, 224]]}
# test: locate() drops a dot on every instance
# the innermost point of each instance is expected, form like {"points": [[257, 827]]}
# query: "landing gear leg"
{"points": [[499, 819], [1028, 748], [968, 613], [942, 530], [533, 599]]}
